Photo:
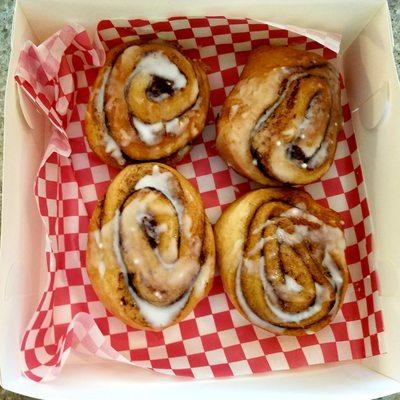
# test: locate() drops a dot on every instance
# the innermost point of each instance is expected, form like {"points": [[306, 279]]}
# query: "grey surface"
{"points": [[6, 12]]}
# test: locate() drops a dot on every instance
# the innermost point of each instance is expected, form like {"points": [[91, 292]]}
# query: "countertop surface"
{"points": [[6, 12]]}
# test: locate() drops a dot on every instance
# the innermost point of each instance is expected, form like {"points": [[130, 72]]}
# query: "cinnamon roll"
{"points": [[281, 121], [149, 102], [281, 257], [150, 254]]}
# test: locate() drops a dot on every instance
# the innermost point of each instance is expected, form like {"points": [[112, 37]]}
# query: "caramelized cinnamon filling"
{"points": [[149, 226], [296, 153], [158, 87]]}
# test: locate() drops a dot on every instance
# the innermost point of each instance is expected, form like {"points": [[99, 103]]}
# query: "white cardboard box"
{"points": [[374, 92]]}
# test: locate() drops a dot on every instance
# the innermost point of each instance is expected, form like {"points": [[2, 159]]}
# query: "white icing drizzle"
{"points": [[150, 134], [116, 248], [300, 232], [102, 268], [161, 229], [157, 317], [322, 295], [172, 250], [270, 110], [331, 238], [289, 132], [237, 246], [126, 140], [172, 126], [328, 236], [202, 279], [299, 212], [196, 105], [254, 318], [262, 226], [259, 245], [97, 238], [302, 206], [110, 145], [158, 294], [99, 99], [187, 224], [161, 181], [153, 63], [291, 285], [336, 278], [319, 156], [156, 63], [233, 110], [306, 123], [176, 126], [317, 152]]}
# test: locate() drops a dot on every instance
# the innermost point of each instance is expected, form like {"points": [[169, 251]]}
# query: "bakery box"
{"points": [[373, 90]]}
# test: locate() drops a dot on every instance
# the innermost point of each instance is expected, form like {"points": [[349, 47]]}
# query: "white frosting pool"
{"points": [[150, 134]]}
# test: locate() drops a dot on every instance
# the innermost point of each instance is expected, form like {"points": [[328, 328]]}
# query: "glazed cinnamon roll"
{"points": [[281, 257], [150, 254], [281, 121], [149, 102]]}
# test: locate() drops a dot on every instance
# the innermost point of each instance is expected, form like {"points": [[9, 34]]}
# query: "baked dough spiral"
{"points": [[281, 257], [149, 102], [151, 252], [281, 121]]}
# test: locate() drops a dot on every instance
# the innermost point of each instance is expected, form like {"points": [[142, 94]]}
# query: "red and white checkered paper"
{"points": [[214, 340]]}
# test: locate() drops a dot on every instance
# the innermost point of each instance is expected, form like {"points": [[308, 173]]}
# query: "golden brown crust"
{"points": [[285, 233], [189, 105], [150, 247], [281, 120], [93, 126]]}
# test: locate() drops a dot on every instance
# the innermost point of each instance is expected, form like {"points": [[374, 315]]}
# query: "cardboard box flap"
{"points": [[346, 17], [342, 16]]}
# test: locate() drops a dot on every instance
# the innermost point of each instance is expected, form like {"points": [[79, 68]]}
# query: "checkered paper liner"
{"points": [[214, 340]]}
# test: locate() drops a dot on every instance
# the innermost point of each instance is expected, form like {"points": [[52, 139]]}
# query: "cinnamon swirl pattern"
{"points": [[281, 257], [149, 102], [281, 121], [151, 253]]}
